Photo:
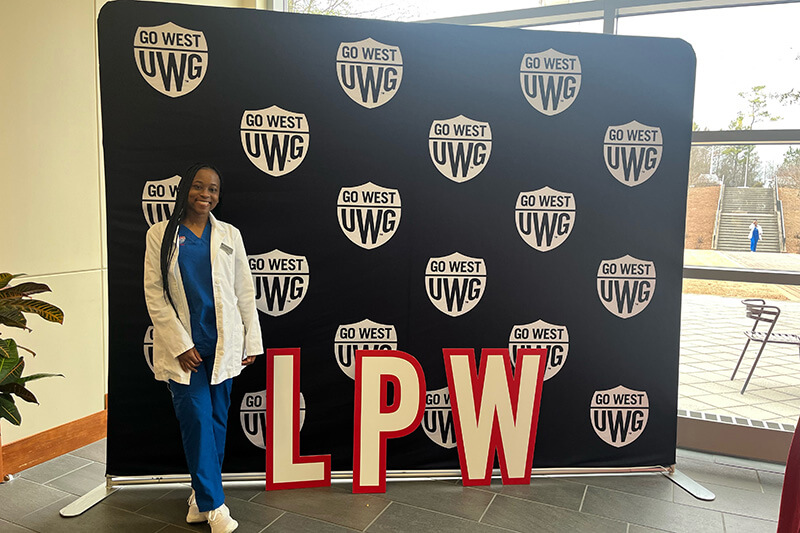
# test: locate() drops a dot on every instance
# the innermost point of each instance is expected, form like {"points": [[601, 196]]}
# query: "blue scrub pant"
{"points": [[753, 243], [202, 411]]}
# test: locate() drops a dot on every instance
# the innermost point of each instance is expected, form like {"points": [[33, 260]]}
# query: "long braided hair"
{"points": [[168, 241]]}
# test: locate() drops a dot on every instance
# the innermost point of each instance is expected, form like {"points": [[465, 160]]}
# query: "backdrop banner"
{"points": [[415, 188]]}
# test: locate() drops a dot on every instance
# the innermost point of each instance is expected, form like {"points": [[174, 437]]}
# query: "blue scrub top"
{"points": [[194, 259]]}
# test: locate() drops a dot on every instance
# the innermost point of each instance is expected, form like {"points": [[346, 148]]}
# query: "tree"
{"points": [[740, 165], [788, 173], [321, 7]]}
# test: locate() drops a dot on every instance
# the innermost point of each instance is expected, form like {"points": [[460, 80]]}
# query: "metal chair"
{"points": [[760, 312]]}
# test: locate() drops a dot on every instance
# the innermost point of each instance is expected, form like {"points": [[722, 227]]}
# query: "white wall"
{"points": [[51, 185]]}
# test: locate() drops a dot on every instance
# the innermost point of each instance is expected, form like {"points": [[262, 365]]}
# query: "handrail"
{"points": [[781, 223], [715, 236]]}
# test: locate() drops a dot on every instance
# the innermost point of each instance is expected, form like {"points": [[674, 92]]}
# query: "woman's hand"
{"points": [[249, 360], [190, 360]]}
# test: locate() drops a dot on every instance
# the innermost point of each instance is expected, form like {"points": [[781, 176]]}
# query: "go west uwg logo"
{"points": [[364, 335], [632, 152], [438, 418], [460, 147], [626, 285], [158, 199], [545, 217], [369, 72], [281, 281], [275, 140], [455, 283], [550, 80], [253, 417], [619, 415], [552, 338], [172, 59], [368, 214]]}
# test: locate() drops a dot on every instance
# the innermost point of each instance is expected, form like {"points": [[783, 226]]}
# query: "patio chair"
{"points": [[760, 312]]}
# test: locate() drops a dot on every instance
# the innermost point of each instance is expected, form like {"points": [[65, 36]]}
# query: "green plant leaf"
{"points": [[20, 390], [10, 316], [32, 377], [11, 370], [5, 277], [49, 312], [8, 409], [8, 349], [23, 289]]}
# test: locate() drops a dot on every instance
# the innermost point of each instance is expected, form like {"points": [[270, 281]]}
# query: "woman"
{"points": [[755, 235], [200, 297]]}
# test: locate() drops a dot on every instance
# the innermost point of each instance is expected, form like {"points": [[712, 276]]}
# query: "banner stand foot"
{"points": [[88, 500], [689, 485]]}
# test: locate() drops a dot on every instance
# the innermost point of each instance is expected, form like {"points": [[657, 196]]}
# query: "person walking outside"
{"points": [[756, 233]]}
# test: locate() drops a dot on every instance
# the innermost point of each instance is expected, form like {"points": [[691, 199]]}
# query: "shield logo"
{"points": [[632, 152], [460, 147], [545, 217], [455, 283], [253, 417], [158, 199], [275, 140], [541, 334], [550, 80], [148, 347], [626, 285], [369, 72], [619, 415], [281, 281], [172, 59], [364, 335], [438, 418], [368, 214]]}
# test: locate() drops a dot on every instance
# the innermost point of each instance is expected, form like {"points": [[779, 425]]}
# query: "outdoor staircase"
{"points": [[739, 207]]}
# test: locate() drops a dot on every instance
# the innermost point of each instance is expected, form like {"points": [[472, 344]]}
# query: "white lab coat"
{"points": [[760, 231], [238, 329]]}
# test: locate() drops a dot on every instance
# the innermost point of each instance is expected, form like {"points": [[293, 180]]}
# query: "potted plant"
{"points": [[15, 301]]}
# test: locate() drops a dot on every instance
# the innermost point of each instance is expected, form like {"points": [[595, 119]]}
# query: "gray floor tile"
{"points": [[522, 515], [21, 497], [94, 452], [743, 524], [329, 504], [633, 528], [170, 528], [750, 463], [170, 507], [8, 527], [135, 498], [292, 523], [399, 518], [652, 486], [704, 472], [53, 468], [651, 512], [446, 498], [82, 480], [100, 518], [771, 483], [243, 491], [559, 492], [252, 517], [735, 501]]}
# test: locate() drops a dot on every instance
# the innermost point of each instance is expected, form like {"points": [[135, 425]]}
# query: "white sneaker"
{"points": [[220, 520], [194, 516]]}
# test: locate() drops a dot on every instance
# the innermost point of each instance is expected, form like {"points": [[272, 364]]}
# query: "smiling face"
{"points": [[203, 193]]}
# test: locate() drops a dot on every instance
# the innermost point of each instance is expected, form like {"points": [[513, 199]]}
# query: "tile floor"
{"points": [[748, 495], [712, 337]]}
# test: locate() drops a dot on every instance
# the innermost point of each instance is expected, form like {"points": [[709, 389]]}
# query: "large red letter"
{"points": [[495, 410], [375, 421], [285, 468]]}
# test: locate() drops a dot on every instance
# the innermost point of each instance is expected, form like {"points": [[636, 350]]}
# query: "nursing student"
{"points": [[200, 297]]}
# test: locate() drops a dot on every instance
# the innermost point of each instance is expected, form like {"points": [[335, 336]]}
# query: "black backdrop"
{"points": [[253, 60]]}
